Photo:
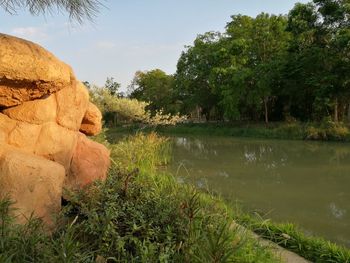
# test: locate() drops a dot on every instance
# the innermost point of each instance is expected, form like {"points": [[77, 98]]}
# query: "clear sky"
{"points": [[131, 35]]}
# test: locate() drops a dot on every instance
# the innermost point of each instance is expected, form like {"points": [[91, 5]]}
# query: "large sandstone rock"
{"points": [[37, 111], [90, 162], [42, 109], [56, 143], [34, 183], [27, 71], [92, 121], [72, 103]]}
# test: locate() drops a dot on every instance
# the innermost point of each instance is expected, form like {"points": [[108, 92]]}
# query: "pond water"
{"points": [[306, 183]]}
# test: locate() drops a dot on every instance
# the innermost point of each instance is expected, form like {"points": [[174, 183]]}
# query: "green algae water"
{"points": [[306, 183]]}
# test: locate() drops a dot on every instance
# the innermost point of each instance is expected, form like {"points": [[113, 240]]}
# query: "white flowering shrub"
{"points": [[131, 110]]}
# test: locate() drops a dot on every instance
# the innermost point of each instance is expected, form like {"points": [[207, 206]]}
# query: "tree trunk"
{"points": [[349, 113], [266, 111], [336, 118]]}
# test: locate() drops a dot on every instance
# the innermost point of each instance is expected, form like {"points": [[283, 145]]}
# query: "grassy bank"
{"points": [[323, 131], [139, 214], [292, 238]]}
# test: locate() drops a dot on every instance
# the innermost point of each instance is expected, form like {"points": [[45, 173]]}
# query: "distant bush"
{"points": [[328, 130]]}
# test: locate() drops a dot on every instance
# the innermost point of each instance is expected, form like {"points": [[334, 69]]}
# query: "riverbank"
{"points": [[324, 131], [290, 237], [140, 214]]}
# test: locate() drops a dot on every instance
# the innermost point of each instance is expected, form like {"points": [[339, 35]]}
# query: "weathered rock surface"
{"points": [[72, 103], [6, 125], [90, 162], [42, 109], [27, 71], [56, 143], [36, 112], [33, 183], [25, 136], [92, 121]]}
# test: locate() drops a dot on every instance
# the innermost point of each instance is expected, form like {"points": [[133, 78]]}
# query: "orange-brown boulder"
{"points": [[72, 103], [92, 121], [90, 162], [37, 111], [28, 71], [56, 143], [33, 183], [24, 136]]}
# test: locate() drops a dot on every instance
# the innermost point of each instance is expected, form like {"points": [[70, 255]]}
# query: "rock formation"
{"points": [[45, 115]]}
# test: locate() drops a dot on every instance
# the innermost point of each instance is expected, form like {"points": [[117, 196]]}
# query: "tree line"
{"points": [[267, 68]]}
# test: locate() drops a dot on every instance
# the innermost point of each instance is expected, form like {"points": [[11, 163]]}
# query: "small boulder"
{"points": [[92, 121], [33, 183], [90, 162]]}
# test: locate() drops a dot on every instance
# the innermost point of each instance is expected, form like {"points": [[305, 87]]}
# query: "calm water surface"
{"points": [[306, 183]]}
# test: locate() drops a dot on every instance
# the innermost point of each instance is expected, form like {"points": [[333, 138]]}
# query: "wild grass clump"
{"points": [[292, 238], [31, 243], [328, 130], [138, 215], [142, 152]]}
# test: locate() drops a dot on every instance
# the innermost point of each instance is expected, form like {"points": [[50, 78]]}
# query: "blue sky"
{"points": [[132, 35]]}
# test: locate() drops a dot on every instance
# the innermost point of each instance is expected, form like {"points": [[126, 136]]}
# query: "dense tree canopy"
{"points": [[266, 68]]}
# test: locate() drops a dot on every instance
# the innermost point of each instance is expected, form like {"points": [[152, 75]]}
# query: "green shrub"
{"points": [[328, 130]]}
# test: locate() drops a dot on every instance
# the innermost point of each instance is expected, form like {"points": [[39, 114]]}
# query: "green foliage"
{"points": [[289, 236], [112, 86], [328, 130], [194, 72], [157, 88], [271, 67]]}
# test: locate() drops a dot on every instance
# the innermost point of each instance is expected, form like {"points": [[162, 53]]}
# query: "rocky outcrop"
{"points": [[44, 114]]}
